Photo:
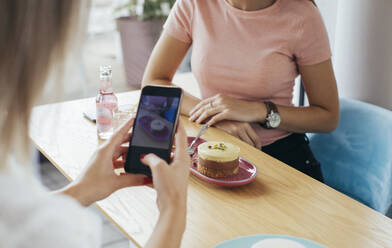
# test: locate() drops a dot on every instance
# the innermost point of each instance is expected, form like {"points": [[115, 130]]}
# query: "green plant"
{"points": [[147, 9]]}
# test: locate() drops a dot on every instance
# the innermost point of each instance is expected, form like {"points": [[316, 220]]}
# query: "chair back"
{"points": [[356, 158]]}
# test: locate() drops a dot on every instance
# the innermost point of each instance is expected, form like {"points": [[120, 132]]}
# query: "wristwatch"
{"points": [[272, 119]]}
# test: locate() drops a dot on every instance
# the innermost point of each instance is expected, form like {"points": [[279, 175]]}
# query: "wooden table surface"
{"points": [[280, 201]]}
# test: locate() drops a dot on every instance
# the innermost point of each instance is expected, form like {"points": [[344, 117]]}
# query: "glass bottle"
{"points": [[106, 103]]}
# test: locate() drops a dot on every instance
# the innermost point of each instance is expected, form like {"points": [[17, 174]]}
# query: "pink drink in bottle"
{"points": [[106, 103]]}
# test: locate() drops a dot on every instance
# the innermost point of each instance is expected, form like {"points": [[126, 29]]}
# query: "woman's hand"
{"points": [[171, 181], [221, 107], [241, 130], [171, 184], [98, 180]]}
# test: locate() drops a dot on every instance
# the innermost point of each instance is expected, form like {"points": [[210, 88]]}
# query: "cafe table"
{"points": [[280, 200]]}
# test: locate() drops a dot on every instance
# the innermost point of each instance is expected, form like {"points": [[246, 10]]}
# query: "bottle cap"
{"points": [[105, 71]]}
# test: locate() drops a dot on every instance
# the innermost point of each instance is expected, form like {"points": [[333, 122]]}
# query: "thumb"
{"points": [[118, 137], [154, 162]]}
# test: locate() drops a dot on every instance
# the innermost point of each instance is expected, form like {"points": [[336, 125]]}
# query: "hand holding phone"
{"points": [[171, 185], [154, 126], [171, 182], [98, 180]]}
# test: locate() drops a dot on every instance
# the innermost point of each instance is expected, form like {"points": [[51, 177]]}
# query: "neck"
{"points": [[251, 5]]}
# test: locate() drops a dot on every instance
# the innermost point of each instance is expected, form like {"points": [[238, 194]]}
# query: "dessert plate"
{"points": [[246, 174], [268, 241], [145, 121]]}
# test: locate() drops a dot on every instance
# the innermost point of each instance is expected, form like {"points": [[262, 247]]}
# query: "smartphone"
{"points": [[154, 127]]}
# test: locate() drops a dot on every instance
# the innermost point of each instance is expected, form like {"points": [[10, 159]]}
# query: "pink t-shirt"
{"points": [[250, 55]]}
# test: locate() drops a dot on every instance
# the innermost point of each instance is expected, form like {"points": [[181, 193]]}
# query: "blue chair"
{"points": [[356, 158]]}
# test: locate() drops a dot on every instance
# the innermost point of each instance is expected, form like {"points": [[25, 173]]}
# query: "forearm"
{"points": [[188, 102], [78, 192], [303, 119], [169, 229], [308, 119]]}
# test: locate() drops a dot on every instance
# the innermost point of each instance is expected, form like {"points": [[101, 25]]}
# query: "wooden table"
{"points": [[280, 201]]}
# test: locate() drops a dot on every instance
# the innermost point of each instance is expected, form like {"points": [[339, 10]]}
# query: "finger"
{"points": [[171, 156], [117, 164], [244, 137], [197, 107], [181, 143], [217, 118], [153, 161], [121, 133], [200, 104], [255, 138], [127, 137], [209, 113], [121, 150], [196, 115]]}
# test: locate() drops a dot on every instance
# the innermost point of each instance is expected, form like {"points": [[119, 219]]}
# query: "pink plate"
{"points": [[246, 174]]}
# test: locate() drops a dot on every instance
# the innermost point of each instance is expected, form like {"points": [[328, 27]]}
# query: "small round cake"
{"points": [[157, 126], [218, 159]]}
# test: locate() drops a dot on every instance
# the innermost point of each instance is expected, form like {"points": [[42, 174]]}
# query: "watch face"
{"points": [[274, 120]]}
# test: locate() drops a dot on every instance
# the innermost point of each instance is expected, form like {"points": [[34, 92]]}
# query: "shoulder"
{"points": [[302, 9], [30, 214], [304, 16]]}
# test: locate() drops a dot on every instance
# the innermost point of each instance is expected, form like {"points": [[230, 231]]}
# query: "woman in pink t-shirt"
{"points": [[246, 55]]}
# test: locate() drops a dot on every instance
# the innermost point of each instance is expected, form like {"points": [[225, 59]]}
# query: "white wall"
{"points": [[360, 33], [363, 51], [329, 10]]}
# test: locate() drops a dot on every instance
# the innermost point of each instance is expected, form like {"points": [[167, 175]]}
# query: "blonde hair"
{"points": [[34, 36]]}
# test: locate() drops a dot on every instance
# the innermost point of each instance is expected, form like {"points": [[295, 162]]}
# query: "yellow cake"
{"points": [[218, 159]]}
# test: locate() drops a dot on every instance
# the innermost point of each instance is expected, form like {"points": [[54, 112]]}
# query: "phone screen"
{"points": [[155, 121], [154, 126]]}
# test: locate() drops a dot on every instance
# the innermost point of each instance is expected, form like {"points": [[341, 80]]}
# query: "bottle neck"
{"points": [[106, 85]]}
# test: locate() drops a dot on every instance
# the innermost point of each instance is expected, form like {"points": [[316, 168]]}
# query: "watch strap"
{"points": [[268, 108], [271, 108]]}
